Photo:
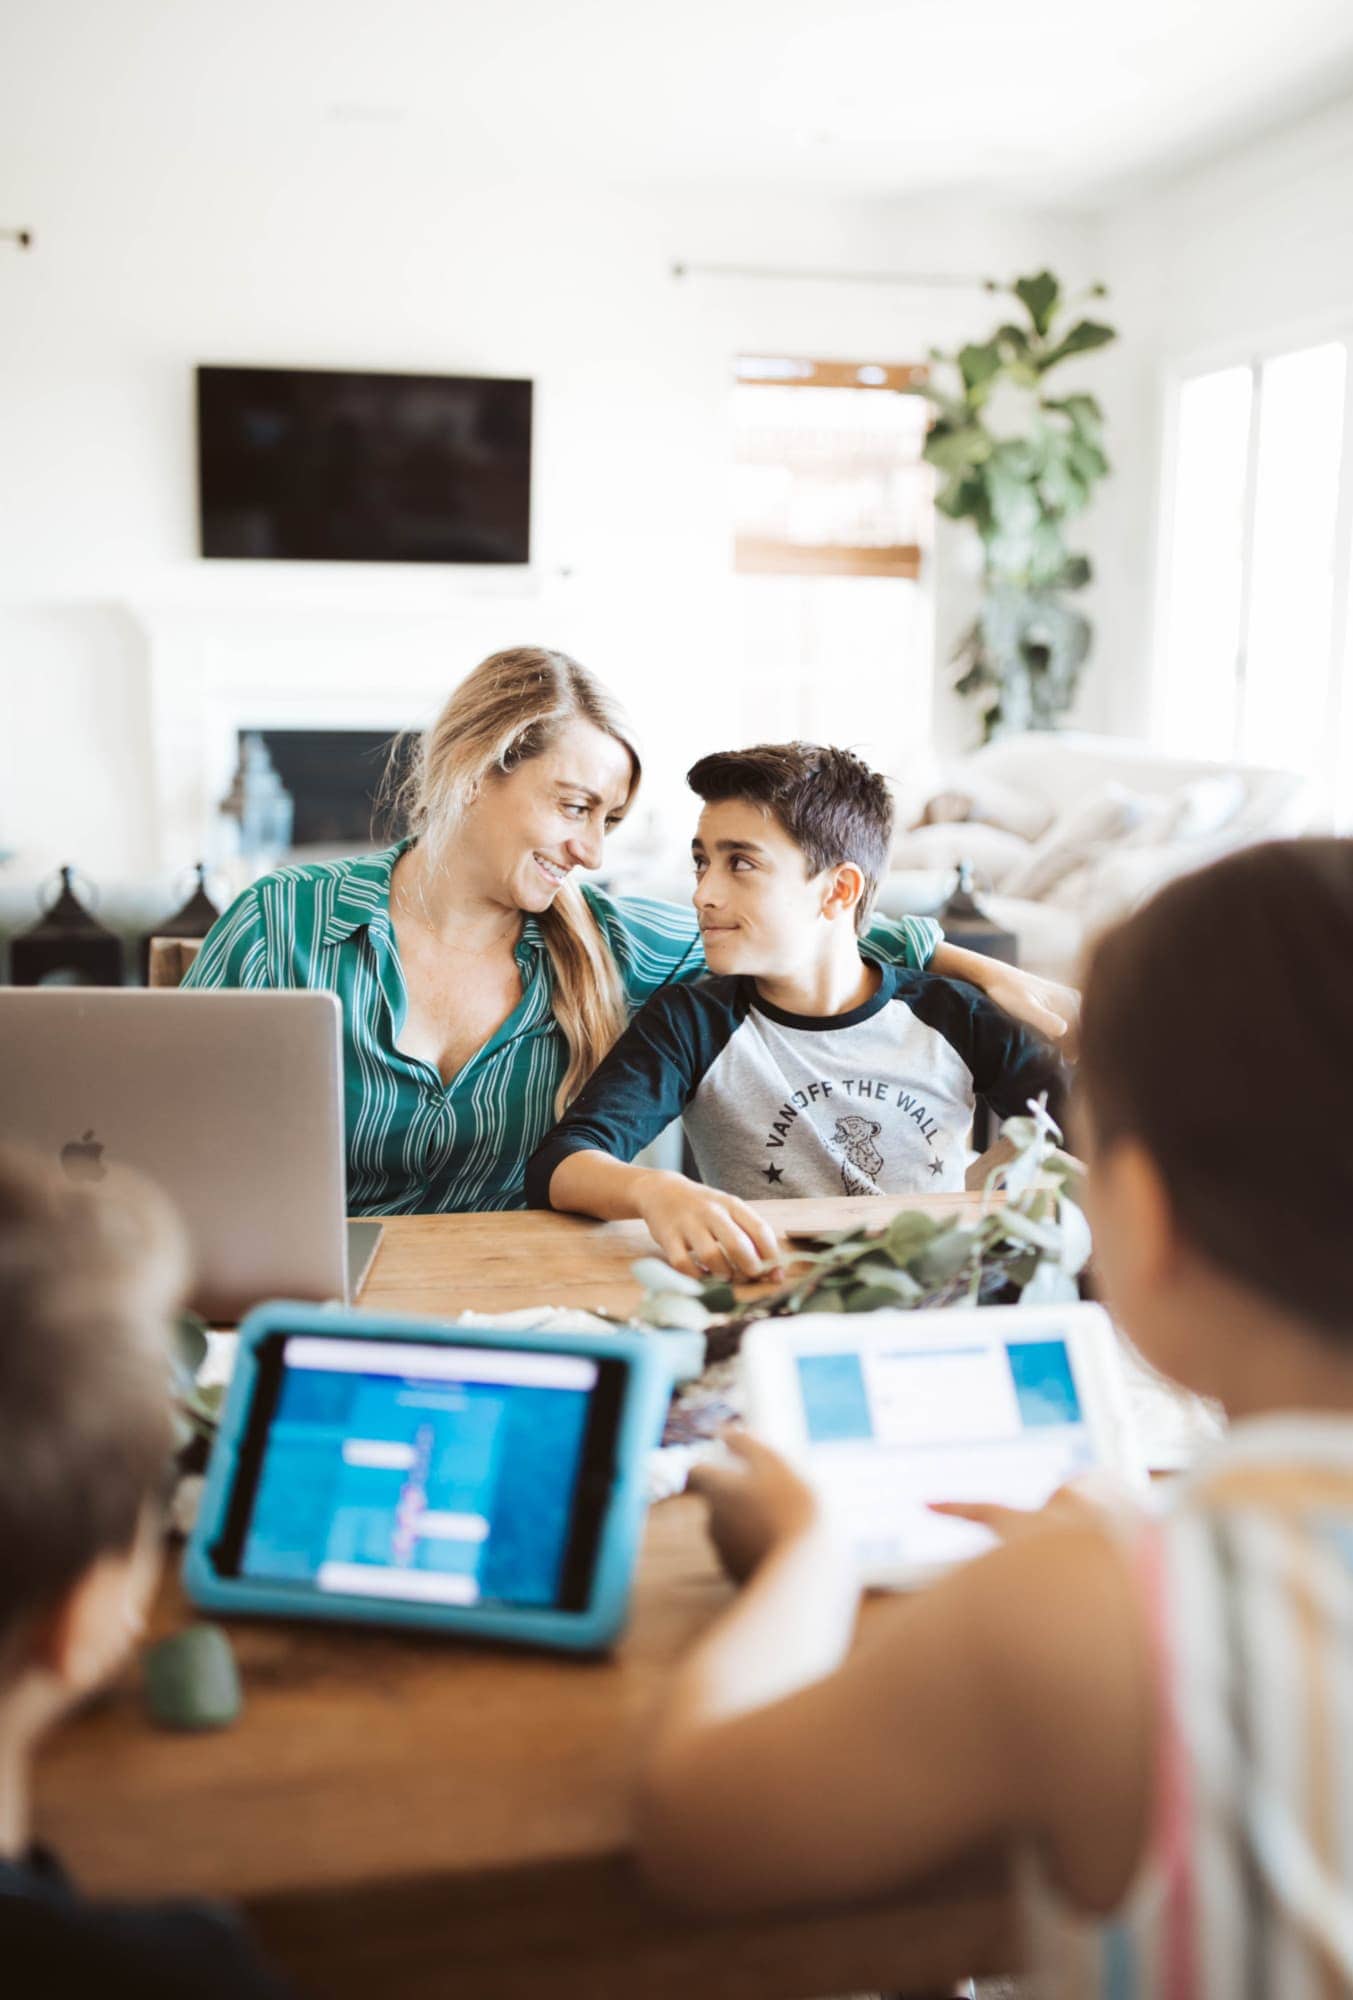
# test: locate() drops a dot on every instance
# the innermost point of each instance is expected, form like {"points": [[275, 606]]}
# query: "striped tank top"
{"points": [[1246, 1888]]}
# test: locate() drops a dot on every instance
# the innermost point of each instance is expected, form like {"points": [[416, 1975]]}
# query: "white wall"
{"points": [[118, 645], [1254, 249]]}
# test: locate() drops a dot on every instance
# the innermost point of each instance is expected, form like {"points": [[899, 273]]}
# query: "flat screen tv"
{"points": [[310, 465]]}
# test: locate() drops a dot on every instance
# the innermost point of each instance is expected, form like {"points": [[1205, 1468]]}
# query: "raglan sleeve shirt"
{"points": [[644, 1083]]}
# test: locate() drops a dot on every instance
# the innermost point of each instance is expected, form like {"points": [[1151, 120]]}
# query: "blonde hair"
{"points": [[509, 710]]}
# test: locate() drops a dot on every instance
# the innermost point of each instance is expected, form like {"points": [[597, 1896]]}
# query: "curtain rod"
{"points": [[921, 280]]}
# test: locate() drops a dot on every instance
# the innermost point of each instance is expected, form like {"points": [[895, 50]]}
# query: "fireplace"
{"points": [[334, 778]]}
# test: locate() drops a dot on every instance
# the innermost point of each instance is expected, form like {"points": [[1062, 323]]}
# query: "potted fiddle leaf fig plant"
{"points": [[1020, 463]]}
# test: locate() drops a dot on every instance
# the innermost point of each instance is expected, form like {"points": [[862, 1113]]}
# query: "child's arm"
{"points": [[643, 1084], [1041, 1004], [1015, 1696], [697, 1229]]}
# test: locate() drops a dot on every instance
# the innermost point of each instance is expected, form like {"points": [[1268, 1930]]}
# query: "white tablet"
{"points": [[886, 1411]]}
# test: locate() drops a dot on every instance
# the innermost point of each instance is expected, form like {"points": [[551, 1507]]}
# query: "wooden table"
{"points": [[406, 1817]]}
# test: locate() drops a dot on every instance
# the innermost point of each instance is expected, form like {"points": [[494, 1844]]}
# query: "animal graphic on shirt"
{"points": [[863, 1162]]}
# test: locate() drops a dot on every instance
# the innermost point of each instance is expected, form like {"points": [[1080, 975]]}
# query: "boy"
{"points": [[800, 1067], [88, 1281]]}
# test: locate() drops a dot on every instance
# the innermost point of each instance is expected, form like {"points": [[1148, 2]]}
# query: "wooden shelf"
{"points": [[755, 556]]}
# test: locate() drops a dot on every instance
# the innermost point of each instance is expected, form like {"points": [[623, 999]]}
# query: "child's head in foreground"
{"points": [[789, 851], [1216, 1082], [88, 1282]]}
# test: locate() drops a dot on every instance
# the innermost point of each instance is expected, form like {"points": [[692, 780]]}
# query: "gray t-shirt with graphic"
{"points": [[875, 1101]]}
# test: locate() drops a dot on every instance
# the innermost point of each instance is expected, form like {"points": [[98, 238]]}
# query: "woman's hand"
{"points": [[754, 1505], [705, 1233], [1050, 1009]]}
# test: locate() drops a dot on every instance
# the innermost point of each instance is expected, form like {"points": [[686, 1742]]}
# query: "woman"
{"points": [[481, 984]]}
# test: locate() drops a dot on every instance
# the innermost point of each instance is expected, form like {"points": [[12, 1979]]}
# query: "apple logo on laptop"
{"points": [[82, 1159]]}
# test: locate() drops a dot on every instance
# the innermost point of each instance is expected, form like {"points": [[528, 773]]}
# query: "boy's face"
{"points": [[761, 913]]}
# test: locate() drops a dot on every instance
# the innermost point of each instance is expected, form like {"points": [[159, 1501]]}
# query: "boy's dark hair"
{"points": [[88, 1280], [828, 801], [1215, 1030]]}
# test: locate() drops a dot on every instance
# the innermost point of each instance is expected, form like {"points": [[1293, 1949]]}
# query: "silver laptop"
{"points": [[232, 1101]]}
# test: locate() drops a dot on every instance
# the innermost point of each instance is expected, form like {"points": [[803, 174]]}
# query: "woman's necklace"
{"points": [[420, 916]]}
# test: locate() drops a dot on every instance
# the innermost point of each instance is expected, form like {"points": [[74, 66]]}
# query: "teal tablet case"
{"points": [[647, 1392]]}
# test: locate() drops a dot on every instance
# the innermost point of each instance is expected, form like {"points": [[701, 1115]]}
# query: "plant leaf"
{"points": [[1076, 1245], [1050, 1285], [945, 1256], [655, 1276], [674, 1309], [979, 365], [909, 1232], [1084, 336], [1038, 295]]}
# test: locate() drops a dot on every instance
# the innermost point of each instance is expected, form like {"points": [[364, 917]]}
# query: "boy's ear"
{"points": [[844, 887], [81, 1638]]}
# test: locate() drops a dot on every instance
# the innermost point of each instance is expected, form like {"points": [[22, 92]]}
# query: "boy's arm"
{"points": [[1014, 1696], [699, 1230], [643, 1084], [1010, 1065]]}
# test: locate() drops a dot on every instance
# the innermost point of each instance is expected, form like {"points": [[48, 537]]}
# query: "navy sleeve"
{"points": [[644, 1083], [1010, 1064]]}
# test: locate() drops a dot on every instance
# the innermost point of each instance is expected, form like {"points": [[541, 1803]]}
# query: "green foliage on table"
{"points": [[1020, 464], [196, 1410], [1031, 1245]]}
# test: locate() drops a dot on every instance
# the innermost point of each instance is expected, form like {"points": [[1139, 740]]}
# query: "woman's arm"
{"points": [[657, 944], [1051, 1009], [1014, 1696]]}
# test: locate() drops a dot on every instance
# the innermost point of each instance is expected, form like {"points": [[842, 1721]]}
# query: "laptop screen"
{"points": [[893, 1426]]}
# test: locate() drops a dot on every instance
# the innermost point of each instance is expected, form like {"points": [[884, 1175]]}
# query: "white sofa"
{"points": [[1067, 832]]}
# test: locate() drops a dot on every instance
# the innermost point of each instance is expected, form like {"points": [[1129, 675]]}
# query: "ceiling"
{"points": [[1064, 102]]}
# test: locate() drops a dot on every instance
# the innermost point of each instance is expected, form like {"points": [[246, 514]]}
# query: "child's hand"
{"points": [[1083, 1503], [702, 1232], [752, 1506]]}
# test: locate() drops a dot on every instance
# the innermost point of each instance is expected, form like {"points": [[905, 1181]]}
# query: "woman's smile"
{"points": [[552, 870]]}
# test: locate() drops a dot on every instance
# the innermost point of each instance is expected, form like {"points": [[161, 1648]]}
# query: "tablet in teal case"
{"points": [[487, 1481]]}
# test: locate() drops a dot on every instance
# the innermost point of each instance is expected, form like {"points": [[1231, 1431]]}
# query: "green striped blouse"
{"points": [[416, 1144]]}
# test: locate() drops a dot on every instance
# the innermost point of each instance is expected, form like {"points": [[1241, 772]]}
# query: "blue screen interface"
{"points": [[428, 1473], [893, 1427]]}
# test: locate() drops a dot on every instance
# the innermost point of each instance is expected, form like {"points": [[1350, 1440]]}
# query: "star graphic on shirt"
{"points": [[773, 1173], [937, 1166]]}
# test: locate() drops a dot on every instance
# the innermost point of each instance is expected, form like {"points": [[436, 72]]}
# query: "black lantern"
{"points": [[967, 924], [68, 946], [193, 920]]}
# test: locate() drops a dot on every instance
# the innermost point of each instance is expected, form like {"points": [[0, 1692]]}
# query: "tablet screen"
{"points": [[892, 1426], [425, 1472]]}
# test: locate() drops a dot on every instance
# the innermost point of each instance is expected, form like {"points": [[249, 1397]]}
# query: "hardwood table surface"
{"points": [[404, 1816]]}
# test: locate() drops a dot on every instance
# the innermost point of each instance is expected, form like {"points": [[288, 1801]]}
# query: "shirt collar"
{"points": [[363, 897], [362, 894]]}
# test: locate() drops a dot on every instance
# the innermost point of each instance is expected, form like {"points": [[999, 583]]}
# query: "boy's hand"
{"points": [[702, 1232], [752, 1506]]}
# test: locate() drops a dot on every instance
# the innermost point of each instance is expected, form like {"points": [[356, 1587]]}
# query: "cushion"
{"points": [[1075, 837], [992, 852], [1205, 806], [973, 795]]}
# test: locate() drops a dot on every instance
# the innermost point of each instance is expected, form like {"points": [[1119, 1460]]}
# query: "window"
{"points": [[832, 517], [1254, 661]]}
